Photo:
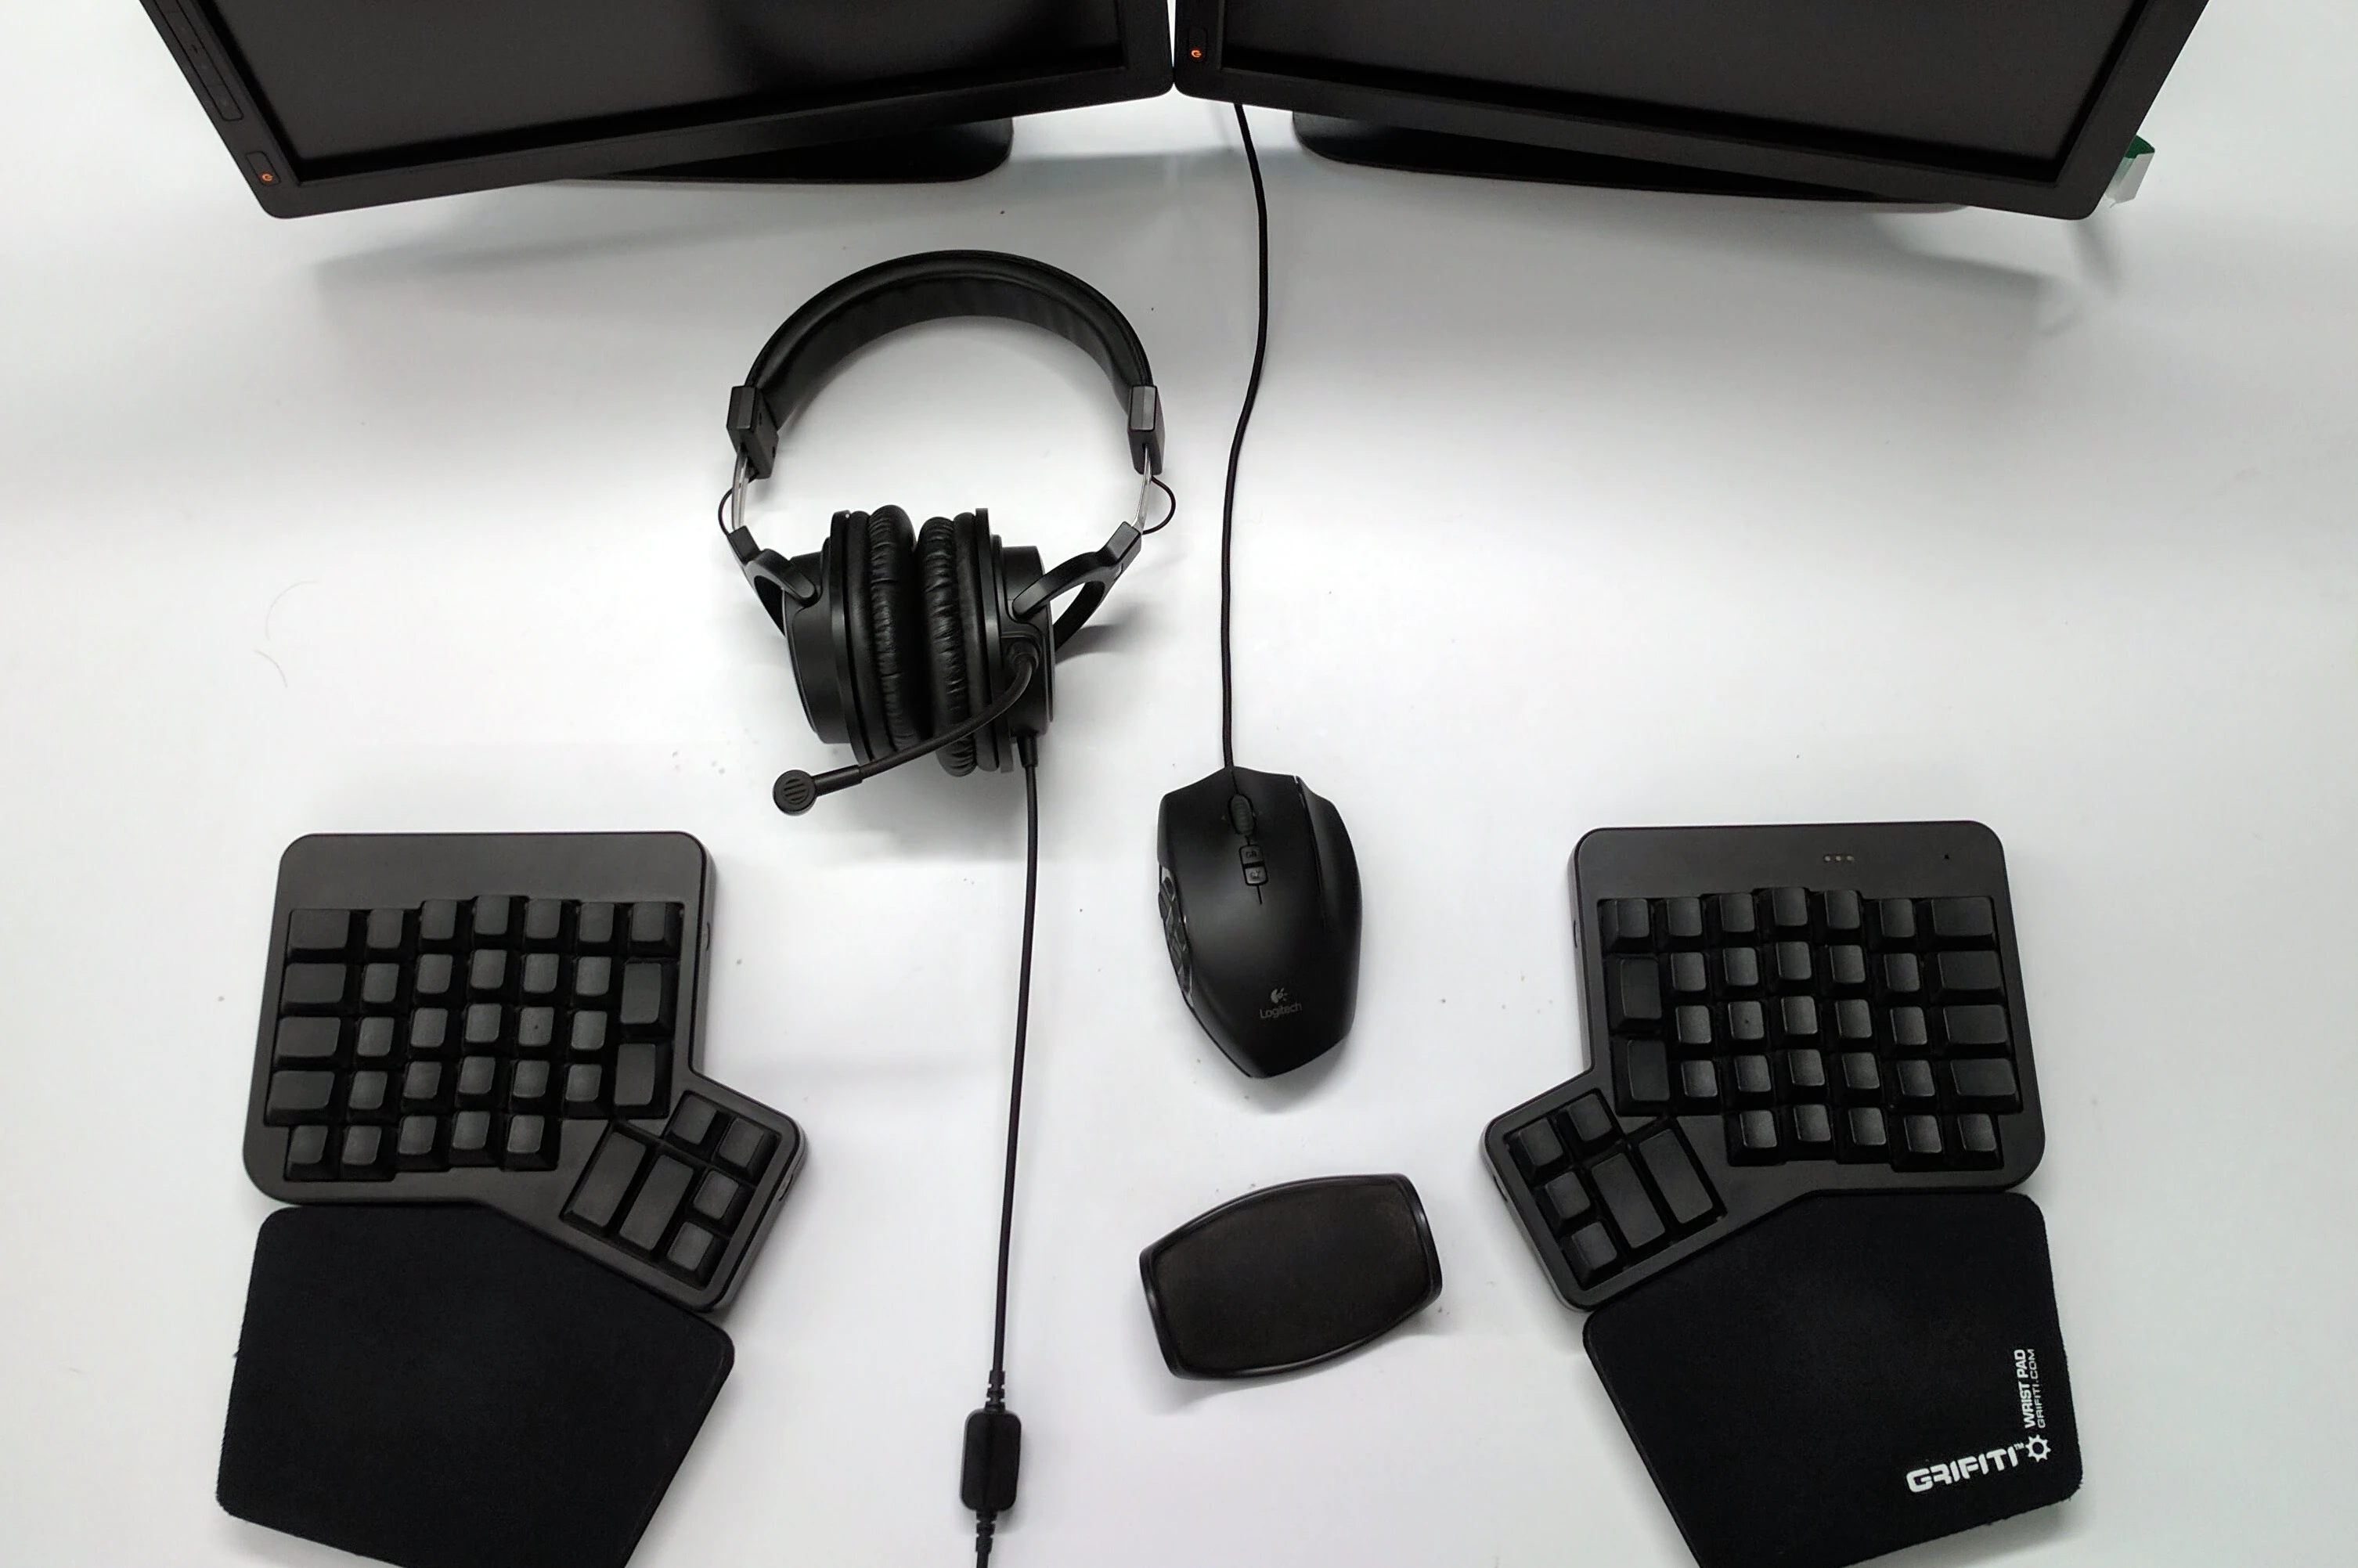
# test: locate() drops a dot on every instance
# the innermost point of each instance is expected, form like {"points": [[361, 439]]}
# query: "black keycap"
{"points": [[1692, 1026], [1971, 972], [1963, 919], [1841, 912], [319, 930], [306, 1154], [1798, 1015], [1738, 918], [1853, 1020], [583, 1080], [1645, 1075], [433, 978], [1739, 968], [1626, 1201], [365, 1093], [1902, 975], [528, 1085], [311, 985], [495, 918], [1792, 960], [470, 1138], [1866, 1129], [1895, 922], [379, 983], [1684, 1191], [540, 971], [384, 930], [544, 918], [1537, 1146], [1624, 925], [1913, 1078], [658, 1200], [693, 1252], [483, 1024], [1591, 1253], [421, 1083], [1752, 1080], [1745, 1022], [1633, 993], [1813, 1129], [1977, 1135], [1908, 1029], [1592, 1122], [1983, 1023], [636, 1068], [530, 1145], [1805, 1069], [654, 930], [599, 1196], [479, 1080], [1789, 909], [1752, 1135], [1699, 1081], [306, 1040], [487, 971], [717, 1197], [1688, 975], [595, 925], [362, 1155], [646, 996], [745, 1148], [1921, 1135], [592, 979], [535, 1027], [373, 1043], [1682, 919], [691, 1124], [589, 1034], [293, 1096], [428, 1028], [417, 1137], [1846, 965], [1860, 1074], [1990, 1079], [437, 921], [1565, 1200]]}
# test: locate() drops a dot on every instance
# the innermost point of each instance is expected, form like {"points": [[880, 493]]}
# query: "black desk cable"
{"points": [[1237, 445]]}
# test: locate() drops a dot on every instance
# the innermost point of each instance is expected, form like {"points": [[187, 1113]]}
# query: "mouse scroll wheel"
{"points": [[1241, 814]]}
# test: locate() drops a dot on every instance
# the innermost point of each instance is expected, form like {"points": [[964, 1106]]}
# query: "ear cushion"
{"points": [[941, 579], [894, 654]]}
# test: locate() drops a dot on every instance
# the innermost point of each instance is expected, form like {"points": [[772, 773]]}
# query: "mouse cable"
{"points": [[1236, 447], [994, 1437]]}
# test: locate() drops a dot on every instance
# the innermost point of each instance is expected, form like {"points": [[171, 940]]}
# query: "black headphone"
{"points": [[935, 640]]}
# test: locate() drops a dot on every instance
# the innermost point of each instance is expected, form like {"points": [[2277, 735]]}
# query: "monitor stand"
{"points": [[913, 157], [1437, 152]]}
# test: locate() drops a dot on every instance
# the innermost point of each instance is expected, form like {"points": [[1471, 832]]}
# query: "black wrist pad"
{"points": [[1290, 1276], [440, 1386], [1851, 1374]]}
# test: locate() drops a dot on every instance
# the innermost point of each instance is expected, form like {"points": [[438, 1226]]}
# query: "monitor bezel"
{"points": [[2067, 187], [286, 188]]}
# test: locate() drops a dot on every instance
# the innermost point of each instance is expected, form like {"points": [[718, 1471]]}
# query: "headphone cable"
{"points": [[993, 1435], [1236, 447]]}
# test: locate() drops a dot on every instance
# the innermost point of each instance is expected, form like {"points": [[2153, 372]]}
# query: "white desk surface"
{"points": [[1563, 508]]}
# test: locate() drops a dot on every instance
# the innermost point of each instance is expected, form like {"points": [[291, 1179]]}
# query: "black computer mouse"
{"points": [[1261, 908]]}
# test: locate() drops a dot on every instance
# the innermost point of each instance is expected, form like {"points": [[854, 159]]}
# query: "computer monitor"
{"points": [[329, 105], [2026, 104]]}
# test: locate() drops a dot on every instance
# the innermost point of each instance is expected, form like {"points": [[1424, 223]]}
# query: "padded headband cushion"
{"points": [[941, 579], [855, 312]]}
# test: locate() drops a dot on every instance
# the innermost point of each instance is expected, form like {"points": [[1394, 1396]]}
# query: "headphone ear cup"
{"points": [[894, 659], [950, 636]]}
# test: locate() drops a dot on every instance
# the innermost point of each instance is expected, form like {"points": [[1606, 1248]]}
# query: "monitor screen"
{"points": [[355, 82]]}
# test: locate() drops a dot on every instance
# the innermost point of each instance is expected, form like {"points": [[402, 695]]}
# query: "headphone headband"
{"points": [[851, 314]]}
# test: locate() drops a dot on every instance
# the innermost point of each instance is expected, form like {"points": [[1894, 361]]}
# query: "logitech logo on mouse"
{"points": [[1281, 1004]]}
